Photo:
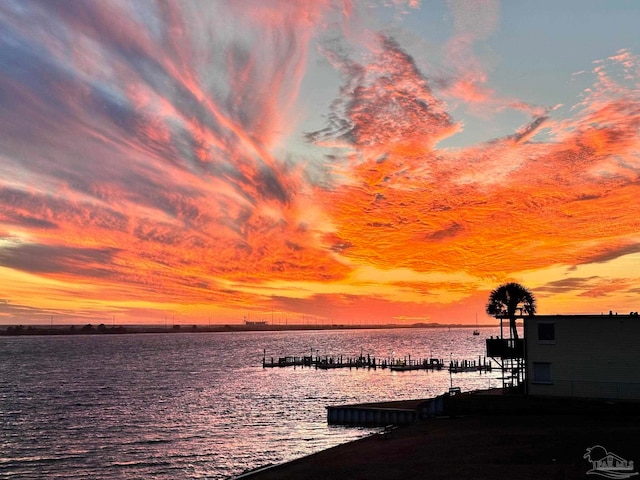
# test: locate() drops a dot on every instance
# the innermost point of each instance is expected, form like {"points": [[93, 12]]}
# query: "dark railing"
{"points": [[505, 348]]}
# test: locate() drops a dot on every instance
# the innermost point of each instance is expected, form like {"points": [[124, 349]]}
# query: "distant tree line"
{"points": [[73, 329], [90, 329]]}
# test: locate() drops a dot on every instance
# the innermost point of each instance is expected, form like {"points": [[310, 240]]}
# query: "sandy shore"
{"points": [[530, 445]]}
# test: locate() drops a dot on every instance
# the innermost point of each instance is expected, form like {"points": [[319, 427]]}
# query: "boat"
{"points": [[476, 331]]}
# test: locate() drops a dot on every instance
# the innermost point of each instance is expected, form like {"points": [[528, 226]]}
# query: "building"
{"points": [[586, 356], [260, 323]]}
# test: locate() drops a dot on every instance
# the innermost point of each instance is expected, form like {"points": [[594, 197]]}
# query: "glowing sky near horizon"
{"points": [[332, 161]]}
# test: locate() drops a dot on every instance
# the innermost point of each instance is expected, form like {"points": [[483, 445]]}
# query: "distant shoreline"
{"points": [[102, 329]]}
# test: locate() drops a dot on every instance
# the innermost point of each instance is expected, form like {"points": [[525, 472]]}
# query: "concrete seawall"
{"points": [[403, 412], [354, 416]]}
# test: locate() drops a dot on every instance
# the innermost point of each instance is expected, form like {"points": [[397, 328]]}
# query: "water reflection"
{"points": [[194, 405]]}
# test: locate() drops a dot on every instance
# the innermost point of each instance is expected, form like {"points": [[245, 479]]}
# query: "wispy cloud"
{"points": [[141, 150], [508, 205]]}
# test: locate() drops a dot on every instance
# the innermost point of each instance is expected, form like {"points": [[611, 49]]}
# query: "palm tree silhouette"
{"points": [[508, 299]]}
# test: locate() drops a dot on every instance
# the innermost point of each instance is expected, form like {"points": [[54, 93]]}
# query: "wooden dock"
{"points": [[289, 362], [470, 366], [369, 362]]}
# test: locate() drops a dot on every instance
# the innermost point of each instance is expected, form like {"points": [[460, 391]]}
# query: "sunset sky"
{"points": [[316, 161]]}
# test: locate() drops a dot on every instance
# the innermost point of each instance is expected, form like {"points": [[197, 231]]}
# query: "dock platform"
{"points": [[369, 362]]}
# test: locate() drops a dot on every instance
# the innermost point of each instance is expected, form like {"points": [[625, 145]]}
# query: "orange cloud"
{"points": [[140, 170], [499, 208]]}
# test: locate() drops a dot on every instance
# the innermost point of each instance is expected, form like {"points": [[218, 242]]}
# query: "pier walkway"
{"points": [[369, 362]]}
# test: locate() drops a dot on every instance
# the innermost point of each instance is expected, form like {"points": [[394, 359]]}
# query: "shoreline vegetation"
{"points": [[102, 329]]}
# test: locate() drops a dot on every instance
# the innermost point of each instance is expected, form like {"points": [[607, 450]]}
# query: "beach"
{"points": [[533, 444]]}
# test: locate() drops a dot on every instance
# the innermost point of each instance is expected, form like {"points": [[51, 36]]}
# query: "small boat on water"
{"points": [[476, 331]]}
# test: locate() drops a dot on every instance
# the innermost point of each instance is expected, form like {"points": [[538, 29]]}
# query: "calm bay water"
{"points": [[198, 405]]}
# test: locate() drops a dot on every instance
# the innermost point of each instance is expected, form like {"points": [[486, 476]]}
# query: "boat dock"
{"points": [[369, 362], [470, 365]]}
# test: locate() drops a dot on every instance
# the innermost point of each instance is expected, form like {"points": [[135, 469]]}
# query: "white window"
{"points": [[541, 372]]}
